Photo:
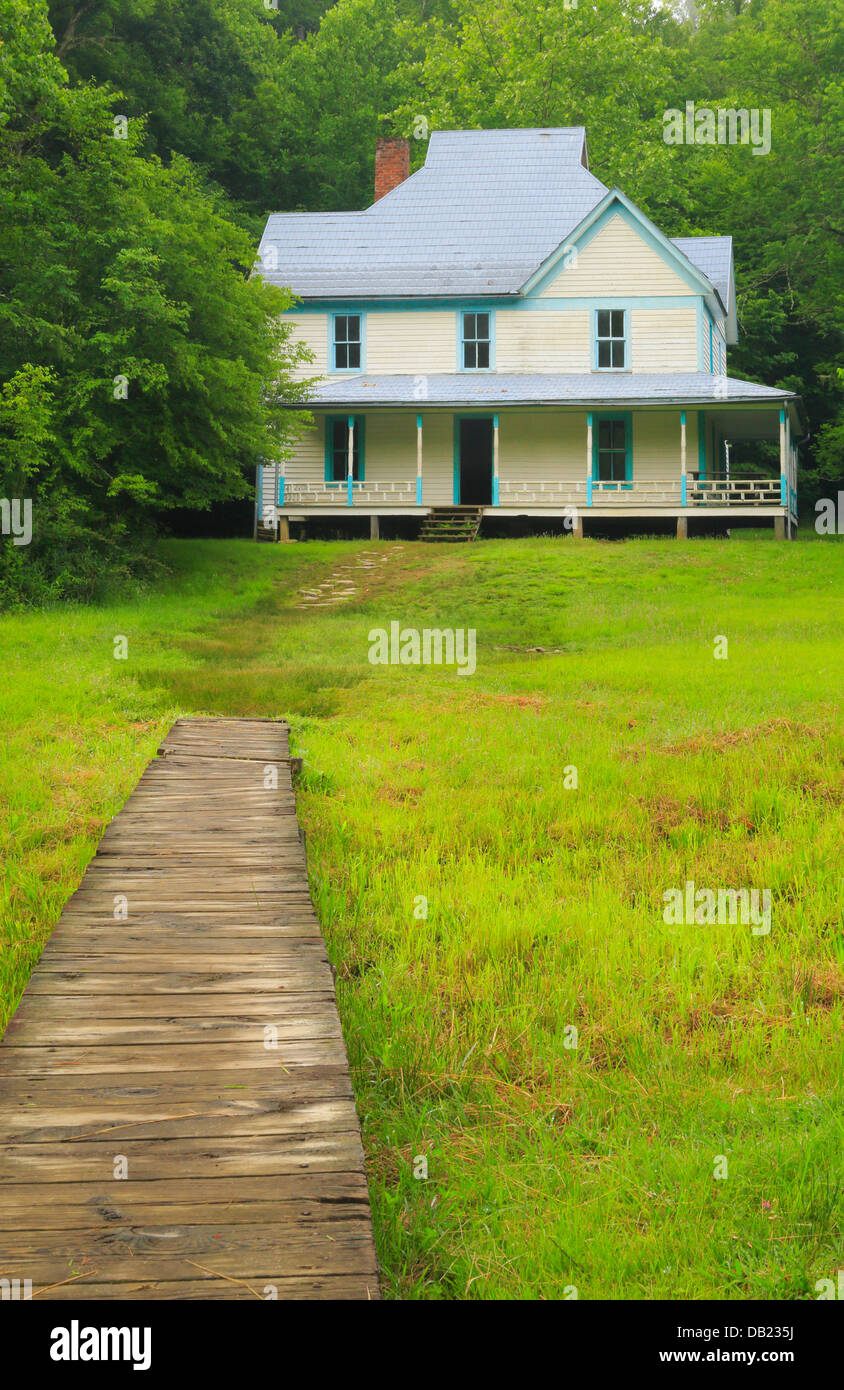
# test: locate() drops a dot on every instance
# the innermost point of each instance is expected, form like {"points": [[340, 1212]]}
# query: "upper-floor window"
{"points": [[347, 342], [477, 340], [610, 339]]}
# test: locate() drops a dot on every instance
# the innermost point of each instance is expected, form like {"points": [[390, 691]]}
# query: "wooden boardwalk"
{"points": [[181, 1027]]}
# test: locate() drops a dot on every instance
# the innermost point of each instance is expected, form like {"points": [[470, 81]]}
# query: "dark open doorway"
{"points": [[475, 457]]}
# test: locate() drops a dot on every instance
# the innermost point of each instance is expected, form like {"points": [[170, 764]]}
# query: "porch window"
{"points": [[610, 339], [337, 449], [477, 341], [347, 341], [613, 455]]}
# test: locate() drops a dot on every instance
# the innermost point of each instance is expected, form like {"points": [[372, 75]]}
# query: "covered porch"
{"points": [[612, 457]]}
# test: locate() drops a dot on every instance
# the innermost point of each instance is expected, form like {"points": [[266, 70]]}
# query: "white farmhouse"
{"points": [[501, 335]]}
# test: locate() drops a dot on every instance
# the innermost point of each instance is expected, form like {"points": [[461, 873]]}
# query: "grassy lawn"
{"points": [[550, 1166]]}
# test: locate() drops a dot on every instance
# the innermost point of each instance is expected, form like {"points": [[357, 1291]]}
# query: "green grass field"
{"points": [[550, 1167]]}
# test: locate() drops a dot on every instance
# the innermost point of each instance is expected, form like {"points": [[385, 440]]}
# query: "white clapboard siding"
{"points": [[617, 261], [419, 341], [312, 330], [544, 341], [437, 460], [541, 448], [663, 340], [656, 444]]}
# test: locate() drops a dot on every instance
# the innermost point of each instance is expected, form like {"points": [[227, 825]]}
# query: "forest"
{"points": [[143, 142]]}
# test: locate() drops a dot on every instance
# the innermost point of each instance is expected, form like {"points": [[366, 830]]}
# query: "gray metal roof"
{"points": [[531, 388], [713, 256], [485, 210]]}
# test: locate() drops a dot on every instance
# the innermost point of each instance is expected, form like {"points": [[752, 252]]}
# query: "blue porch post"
{"points": [[281, 490], [419, 460], [495, 460], [783, 464], [683, 458], [589, 459], [350, 471]]}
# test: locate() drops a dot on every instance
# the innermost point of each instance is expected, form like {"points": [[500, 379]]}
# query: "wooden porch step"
{"points": [[451, 524]]}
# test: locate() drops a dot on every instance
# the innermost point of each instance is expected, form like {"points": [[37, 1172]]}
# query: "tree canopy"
{"points": [[143, 142]]}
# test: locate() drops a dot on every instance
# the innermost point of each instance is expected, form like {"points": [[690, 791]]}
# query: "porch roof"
{"points": [[458, 389]]}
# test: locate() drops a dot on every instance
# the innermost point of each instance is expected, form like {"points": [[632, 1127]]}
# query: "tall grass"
{"points": [[484, 917]]}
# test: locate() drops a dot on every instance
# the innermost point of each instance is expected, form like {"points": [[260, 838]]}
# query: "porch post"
{"points": [[419, 460], [783, 459], [589, 459], [350, 467], [683, 458], [495, 460], [787, 475]]}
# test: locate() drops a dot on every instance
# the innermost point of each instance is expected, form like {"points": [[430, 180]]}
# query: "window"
{"points": [[610, 340], [337, 449], [476, 340], [347, 342], [612, 456]]}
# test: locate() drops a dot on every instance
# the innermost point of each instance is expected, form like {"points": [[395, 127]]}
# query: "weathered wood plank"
{"points": [[302, 1288], [182, 1016], [138, 1007], [228, 1056], [305, 1023], [106, 1123], [39, 1201], [183, 1158], [173, 1088]]}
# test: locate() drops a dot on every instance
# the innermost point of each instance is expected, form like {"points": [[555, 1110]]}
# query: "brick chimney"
{"points": [[392, 164]]}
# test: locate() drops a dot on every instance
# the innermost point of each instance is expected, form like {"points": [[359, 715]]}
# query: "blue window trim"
{"points": [[627, 417], [332, 317], [360, 432], [461, 314], [627, 349]]}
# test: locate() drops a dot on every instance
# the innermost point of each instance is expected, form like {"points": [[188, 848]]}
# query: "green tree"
{"points": [[127, 291]]}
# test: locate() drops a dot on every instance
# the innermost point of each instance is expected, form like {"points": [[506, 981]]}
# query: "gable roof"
{"points": [[486, 208], [617, 202]]}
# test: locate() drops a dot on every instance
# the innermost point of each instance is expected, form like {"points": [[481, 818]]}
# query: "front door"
{"points": [[475, 461]]}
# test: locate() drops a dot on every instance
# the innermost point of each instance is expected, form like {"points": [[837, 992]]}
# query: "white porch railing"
{"points": [[742, 492], [700, 492], [401, 494], [576, 494]]}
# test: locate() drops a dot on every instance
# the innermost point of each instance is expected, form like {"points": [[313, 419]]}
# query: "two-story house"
{"points": [[500, 332]]}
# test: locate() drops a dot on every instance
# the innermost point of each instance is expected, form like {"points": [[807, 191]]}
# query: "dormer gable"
{"points": [[617, 251]]}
